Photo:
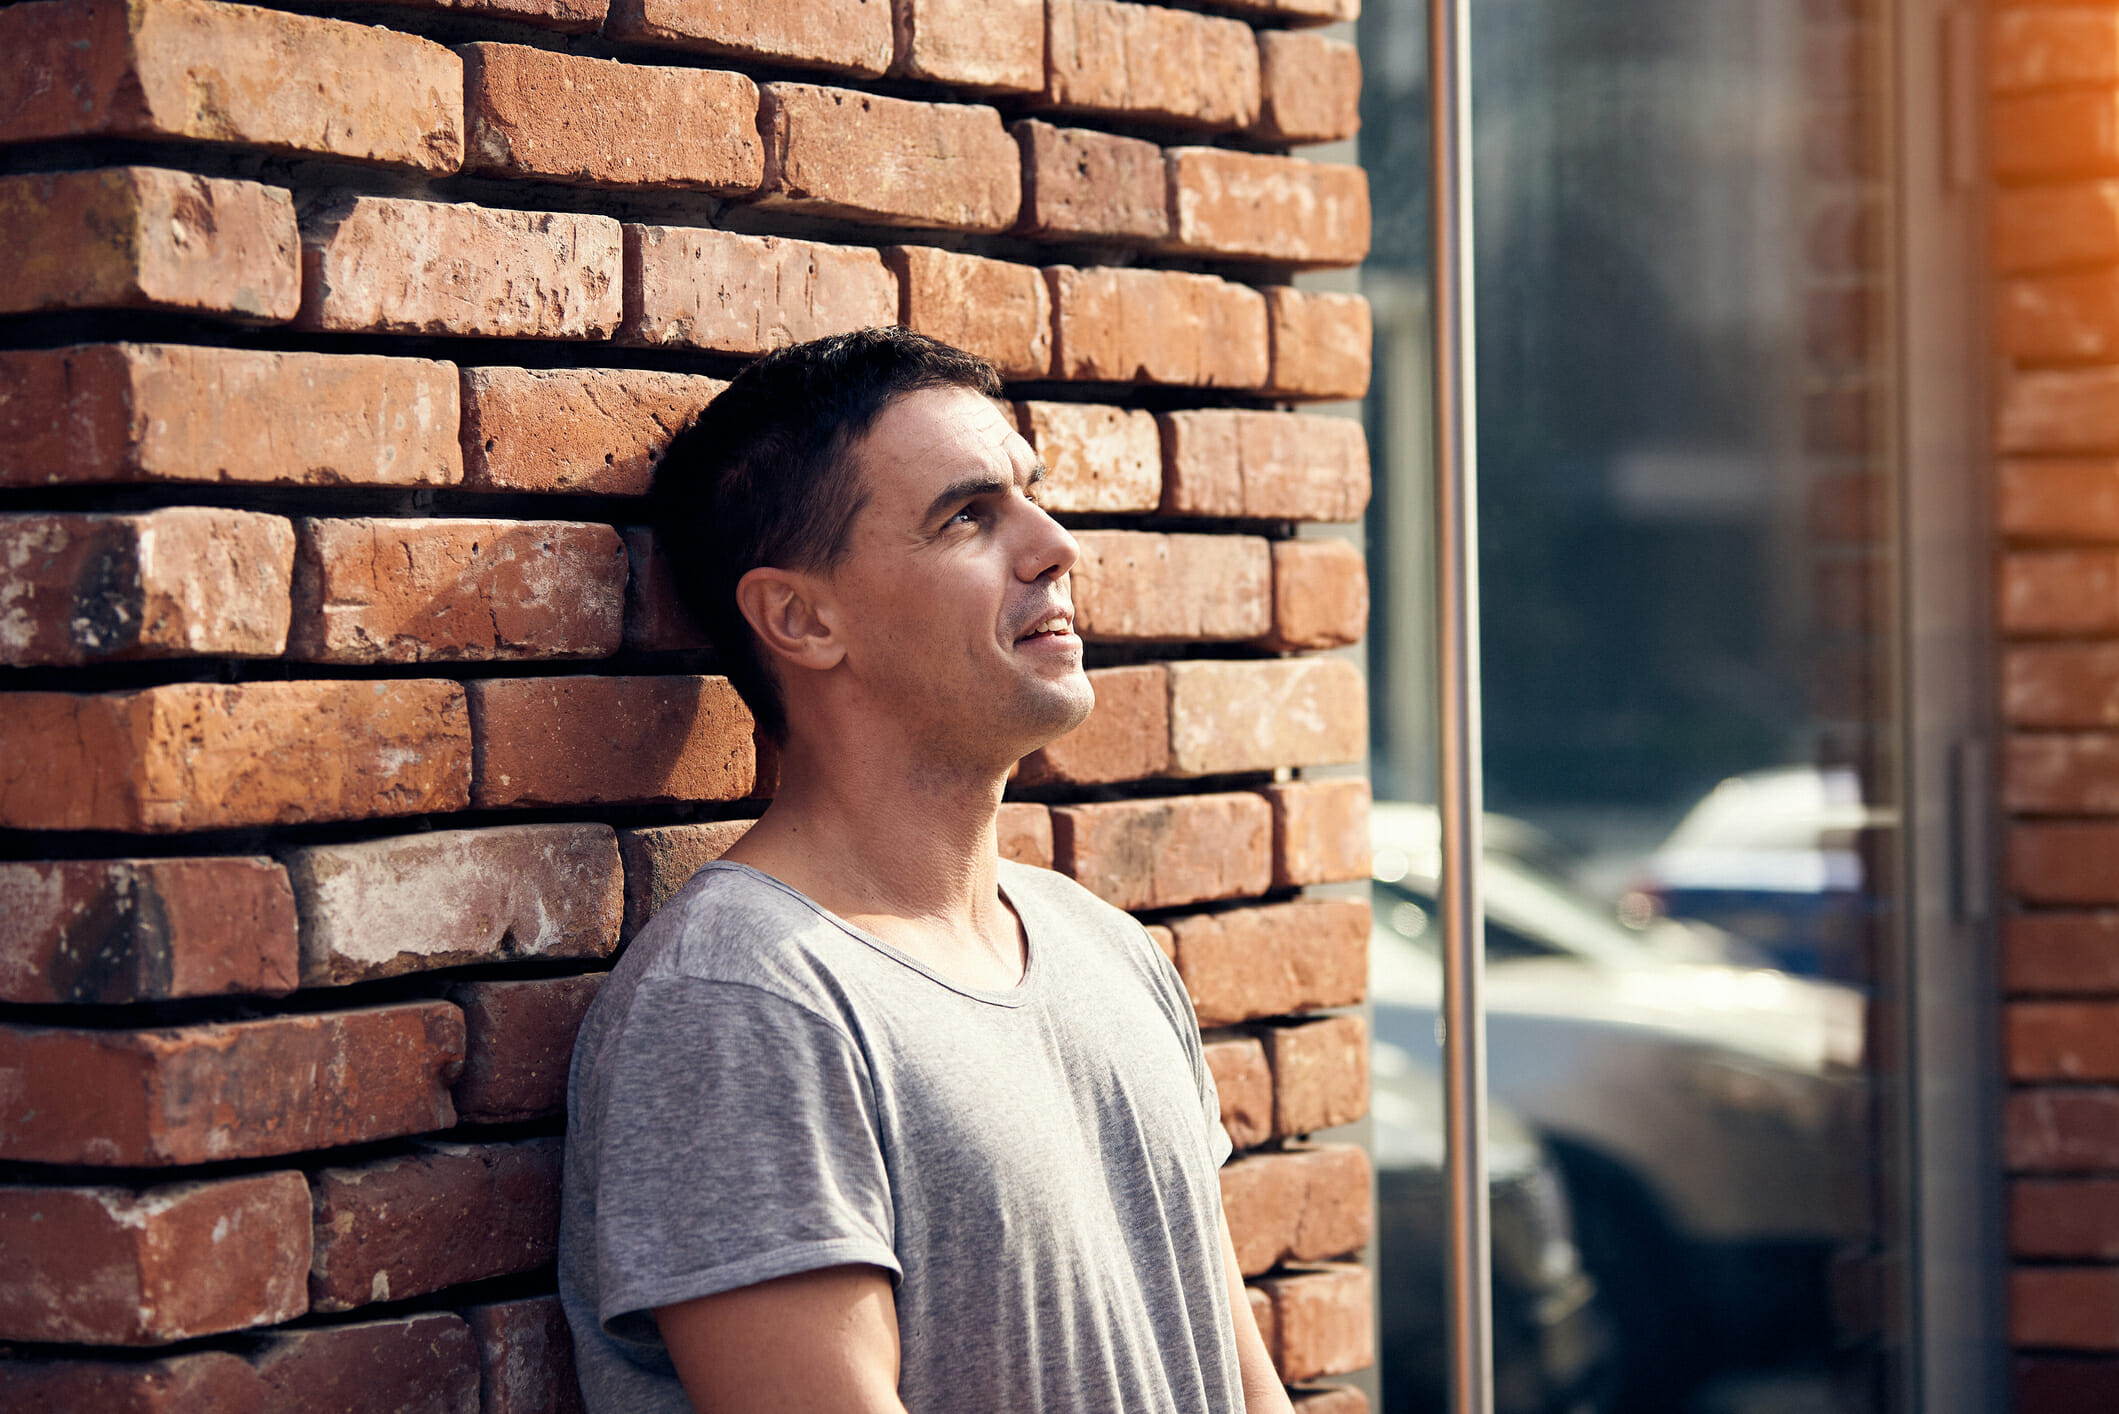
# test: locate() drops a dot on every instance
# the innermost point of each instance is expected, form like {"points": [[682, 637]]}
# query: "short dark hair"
{"points": [[764, 477]]}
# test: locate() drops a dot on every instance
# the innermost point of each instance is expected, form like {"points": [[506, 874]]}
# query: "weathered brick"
{"points": [[1260, 716], [563, 16], [2046, 135], [1161, 853], [186, 581], [1264, 465], [596, 740], [1098, 460], [660, 858], [599, 123], [1025, 833], [1125, 738], [1320, 831], [2031, 48], [1115, 325], [702, 289], [1150, 64], [862, 157], [440, 1215], [821, 34], [1251, 206], [1325, 1399], [2061, 685], [1320, 1073], [1163, 938], [1320, 343], [992, 308], [385, 265], [2064, 1218], [1274, 960], [1262, 1317], [585, 431], [409, 903], [1080, 184], [206, 71], [2065, 1308], [2059, 500], [656, 621], [2061, 1131], [1309, 87], [203, 1382], [133, 412], [1304, 1205], [419, 1364], [2059, 592], [1325, 1321], [993, 45], [1295, 12], [2062, 1040], [1320, 595], [2070, 315], [197, 756], [521, 1036], [227, 1090], [1244, 1085], [146, 238], [2060, 410], [525, 1357], [1133, 586], [2060, 773], [2064, 952], [2037, 228], [135, 930], [442, 589]]}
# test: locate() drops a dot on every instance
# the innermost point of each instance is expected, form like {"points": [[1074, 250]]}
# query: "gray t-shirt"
{"points": [[761, 1089]]}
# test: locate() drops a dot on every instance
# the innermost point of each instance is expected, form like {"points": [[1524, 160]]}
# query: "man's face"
{"points": [[953, 596]]}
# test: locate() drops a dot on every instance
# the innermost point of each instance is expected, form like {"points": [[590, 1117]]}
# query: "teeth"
{"points": [[1051, 625]]}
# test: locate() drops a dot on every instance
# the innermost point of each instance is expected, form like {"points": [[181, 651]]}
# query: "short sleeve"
{"points": [[735, 1141], [1178, 1003]]}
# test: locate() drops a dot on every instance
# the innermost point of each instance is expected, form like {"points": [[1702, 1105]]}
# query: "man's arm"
{"points": [[1263, 1392], [826, 1339]]}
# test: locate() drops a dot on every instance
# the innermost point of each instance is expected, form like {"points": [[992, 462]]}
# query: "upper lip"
{"points": [[1064, 618]]}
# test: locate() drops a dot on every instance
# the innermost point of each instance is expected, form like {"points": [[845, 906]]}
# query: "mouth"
{"points": [[1050, 627]]}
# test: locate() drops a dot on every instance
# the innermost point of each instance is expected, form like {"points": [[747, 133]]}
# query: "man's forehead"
{"points": [[936, 434]]}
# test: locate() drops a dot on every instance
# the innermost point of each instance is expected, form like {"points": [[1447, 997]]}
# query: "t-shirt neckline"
{"points": [[1033, 943]]}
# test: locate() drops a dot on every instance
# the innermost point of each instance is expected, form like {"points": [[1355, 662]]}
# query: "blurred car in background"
{"points": [[1690, 1102]]}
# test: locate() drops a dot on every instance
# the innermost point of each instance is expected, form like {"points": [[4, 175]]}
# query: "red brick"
{"points": [[1251, 206], [1244, 1085], [861, 157], [2065, 1308], [1320, 595], [123, 1266], [1295, 12], [2062, 1040], [2069, 315], [1304, 1205], [443, 589], [1134, 586], [2051, 48], [135, 930], [563, 16], [440, 1215], [992, 308], [586, 431], [2036, 228], [695, 288], [1161, 853], [2060, 592], [1098, 460], [204, 71], [521, 1036], [1845, 508], [145, 238], [448, 898], [1025, 832], [228, 1090], [1320, 1073], [2064, 1218], [2072, 773], [1836, 422], [660, 858], [601, 740], [2061, 685], [182, 582], [656, 621], [1156, 326], [2048, 135], [420, 1364], [1320, 831], [598, 123], [1841, 238], [993, 45], [2063, 952], [2061, 1131], [1262, 1317], [1260, 716], [2059, 500], [2064, 862], [197, 756], [204, 1382], [1320, 342], [1326, 1321], [1274, 960], [1264, 465], [2069, 410], [1150, 64], [132, 412], [1080, 184], [383, 265], [1328, 1399], [1309, 86], [1126, 736], [525, 1357], [1163, 938], [821, 34]]}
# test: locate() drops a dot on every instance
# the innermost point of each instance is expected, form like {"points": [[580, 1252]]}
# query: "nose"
{"points": [[1049, 549]]}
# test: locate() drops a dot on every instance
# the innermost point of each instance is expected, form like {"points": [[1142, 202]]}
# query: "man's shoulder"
{"points": [[1049, 893]]}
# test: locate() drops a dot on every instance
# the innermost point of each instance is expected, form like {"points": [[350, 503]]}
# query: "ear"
{"points": [[791, 617]]}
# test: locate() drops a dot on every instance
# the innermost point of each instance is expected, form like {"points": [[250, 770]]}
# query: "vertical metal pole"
{"points": [[1460, 802]]}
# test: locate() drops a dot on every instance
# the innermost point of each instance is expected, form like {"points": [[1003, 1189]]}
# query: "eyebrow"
{"points": [[982, 485]]}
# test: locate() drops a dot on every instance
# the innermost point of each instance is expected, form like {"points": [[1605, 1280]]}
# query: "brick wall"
{"points": [[349, 726]]}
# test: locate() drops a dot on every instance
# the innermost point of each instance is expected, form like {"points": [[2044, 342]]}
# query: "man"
{"points": [[868, 1119]]}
